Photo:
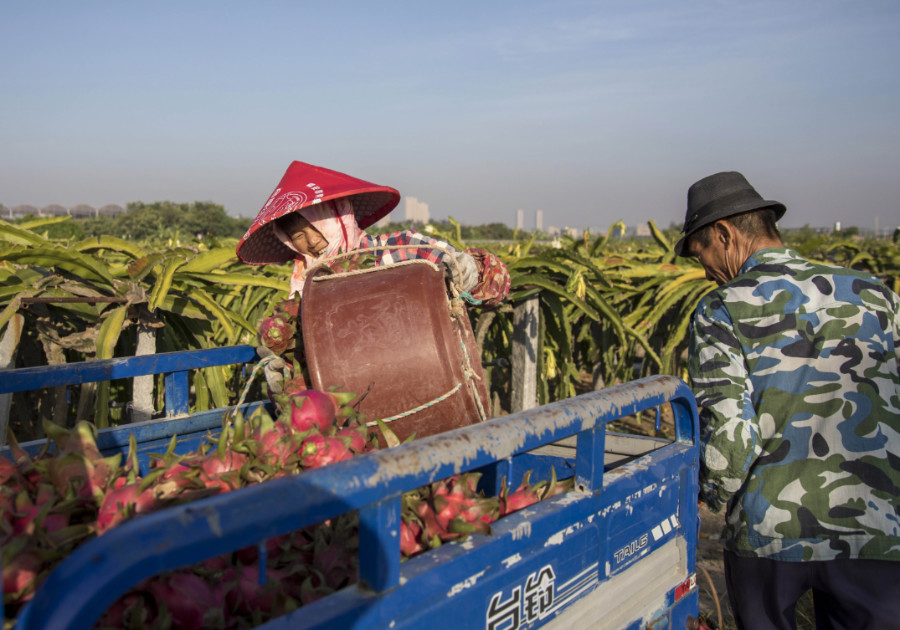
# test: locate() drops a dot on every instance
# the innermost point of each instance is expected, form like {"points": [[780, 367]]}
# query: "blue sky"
{"points": [[590, 111]]}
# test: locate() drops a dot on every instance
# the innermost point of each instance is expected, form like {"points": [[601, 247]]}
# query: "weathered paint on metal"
{"points": [[26, 379]]}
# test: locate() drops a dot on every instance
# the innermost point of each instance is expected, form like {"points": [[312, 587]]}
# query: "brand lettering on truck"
{"points": [[525, 604], [632, 548]]}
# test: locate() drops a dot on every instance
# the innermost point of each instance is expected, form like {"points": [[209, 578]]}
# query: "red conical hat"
{"points": [[304, 185]]}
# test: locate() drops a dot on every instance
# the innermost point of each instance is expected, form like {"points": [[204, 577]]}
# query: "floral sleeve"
{"points": [[493, 278]]}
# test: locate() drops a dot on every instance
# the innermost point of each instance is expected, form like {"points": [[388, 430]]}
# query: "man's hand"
{"points": [[461, 271]]}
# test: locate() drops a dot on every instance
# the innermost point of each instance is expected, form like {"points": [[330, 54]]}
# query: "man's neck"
{"points": [[748, 247]]}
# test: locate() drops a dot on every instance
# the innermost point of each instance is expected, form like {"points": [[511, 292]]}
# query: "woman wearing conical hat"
{"points": [[316, 213]]}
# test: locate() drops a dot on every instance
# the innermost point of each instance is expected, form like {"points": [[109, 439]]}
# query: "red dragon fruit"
{"points": [[247, 596], [221, 469], [288, 309], [20, 575], [78, 469], [9, 472], [337, 563], [276, 334], [77, 476], [123, 503], [30, 516], [527, 494], [276, 450], [359, 438], [318, 450], [189, 599], [294, 385], [312, 409], [409, 538], [523, 496]]}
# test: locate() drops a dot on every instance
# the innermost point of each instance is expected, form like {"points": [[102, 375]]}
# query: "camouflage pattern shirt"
{"points": [[795, 368]]}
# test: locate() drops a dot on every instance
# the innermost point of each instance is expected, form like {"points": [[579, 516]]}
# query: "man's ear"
{"points": [[722, 233]]}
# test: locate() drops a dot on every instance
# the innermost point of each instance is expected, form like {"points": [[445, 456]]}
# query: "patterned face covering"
{"points": [[336, 222]]}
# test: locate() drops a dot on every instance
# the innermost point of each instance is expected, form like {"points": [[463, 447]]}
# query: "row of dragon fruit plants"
{"points": [[611, 310], [602, 313]]}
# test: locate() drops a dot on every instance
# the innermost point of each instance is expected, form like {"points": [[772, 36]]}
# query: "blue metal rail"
{"points": [[402, 595], [174, 365]]}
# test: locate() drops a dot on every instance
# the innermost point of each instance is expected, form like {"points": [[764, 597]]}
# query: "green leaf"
{"points": [[109, 332], [163, 284], [18, 235], [221, 315], [178, 305], [110, 243], [215, 380], [11, 309], [43, 222], [241, 280], [390, 438], [209, 261], [106, 340], [57, 257], [659, 236], [139, 269]]}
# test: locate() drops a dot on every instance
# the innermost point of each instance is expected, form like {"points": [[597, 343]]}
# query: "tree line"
{"points": [[167, 221], [160, 220]]}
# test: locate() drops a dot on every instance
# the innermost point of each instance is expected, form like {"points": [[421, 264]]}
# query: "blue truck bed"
{"points": [[618, 551]]}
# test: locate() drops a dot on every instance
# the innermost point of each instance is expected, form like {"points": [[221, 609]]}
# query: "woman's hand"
{"points": [[461, 271]]}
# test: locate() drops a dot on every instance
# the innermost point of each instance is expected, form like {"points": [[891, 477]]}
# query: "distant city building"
{"points": [[642, 229], [552, 230], [83, 210], [539, 220], [573, 232], [80, 211], [24, 210], [416, 211], [111, 209], [383, 221], [520, 219], [53, 210]]}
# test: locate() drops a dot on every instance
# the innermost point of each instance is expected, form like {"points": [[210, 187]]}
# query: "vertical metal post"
{"points": [[176, 393], [525, 355], [589, 456], [492, 476], [379, 544]]}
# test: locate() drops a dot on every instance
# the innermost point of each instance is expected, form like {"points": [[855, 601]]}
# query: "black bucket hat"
{"points": [[718, 196]]}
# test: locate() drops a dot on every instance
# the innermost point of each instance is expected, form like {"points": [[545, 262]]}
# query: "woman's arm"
{"points": [[492, 285]]}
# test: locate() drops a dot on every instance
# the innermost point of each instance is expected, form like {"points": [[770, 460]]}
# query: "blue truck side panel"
{"points": [[618, 551]]}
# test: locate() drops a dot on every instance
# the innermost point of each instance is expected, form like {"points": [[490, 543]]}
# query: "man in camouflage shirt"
{"points": [[795, 369]]}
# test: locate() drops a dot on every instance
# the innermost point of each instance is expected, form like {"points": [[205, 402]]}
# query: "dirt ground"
{"points": [[710, 575]]}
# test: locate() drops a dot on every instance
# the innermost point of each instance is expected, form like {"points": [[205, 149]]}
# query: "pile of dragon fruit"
{"points": [[52, 503]]}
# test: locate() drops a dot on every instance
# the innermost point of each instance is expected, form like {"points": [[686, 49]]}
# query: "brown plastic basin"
{"points": [[388, 333]]}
